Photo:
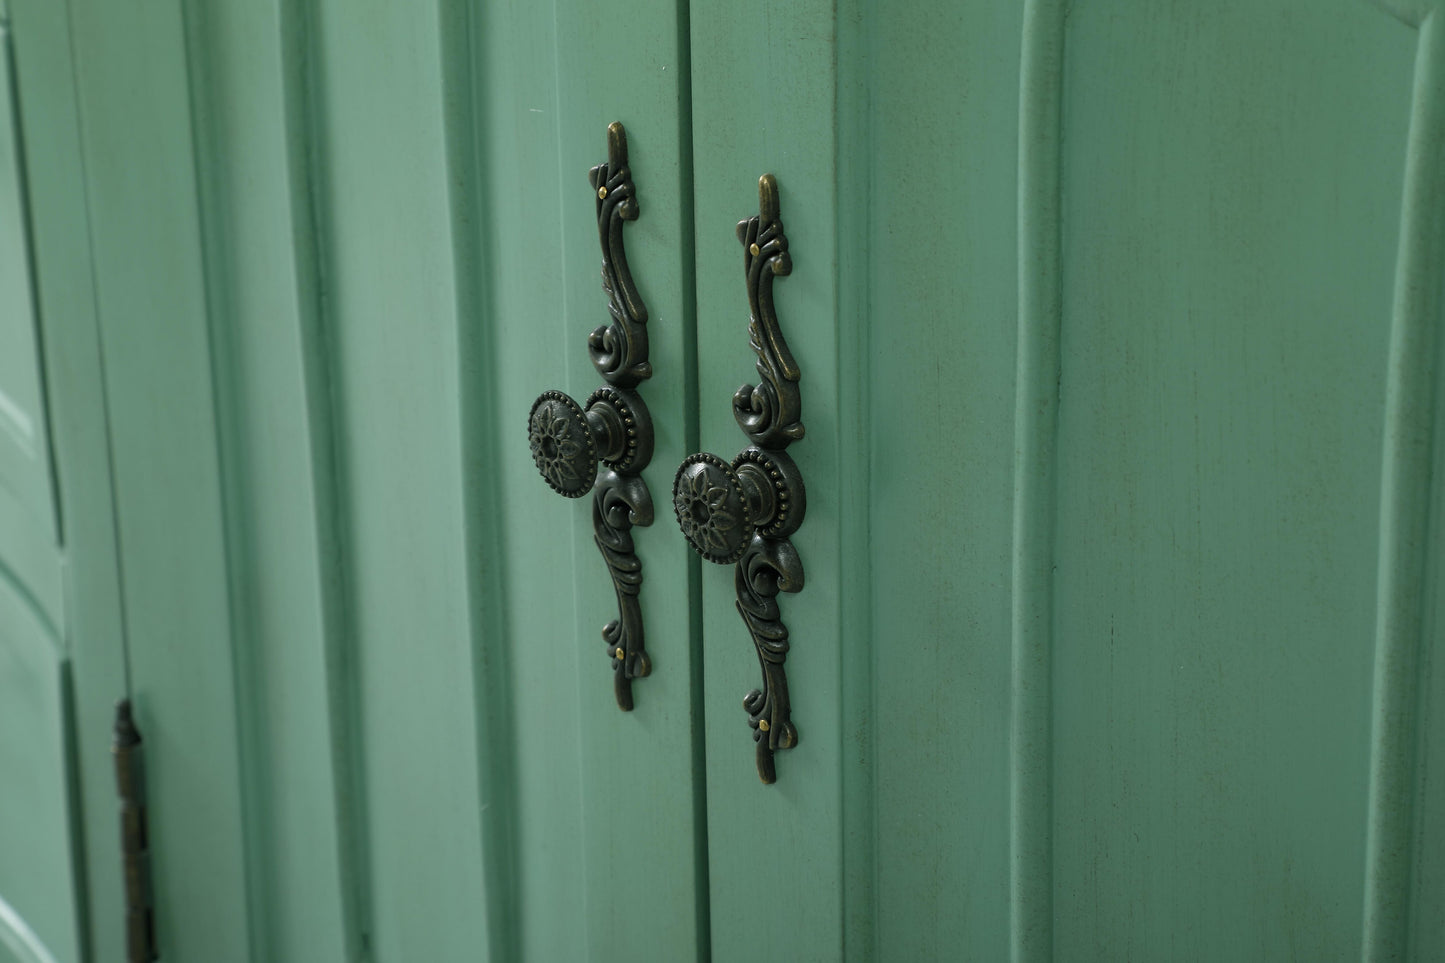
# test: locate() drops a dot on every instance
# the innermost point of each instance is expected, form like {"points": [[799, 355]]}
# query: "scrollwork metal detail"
{"points": [[603, 446], [743, 511], [770, 412], [619, 349]]}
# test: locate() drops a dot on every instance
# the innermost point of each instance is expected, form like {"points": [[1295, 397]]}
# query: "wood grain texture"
{"points": [[1092, 304]]}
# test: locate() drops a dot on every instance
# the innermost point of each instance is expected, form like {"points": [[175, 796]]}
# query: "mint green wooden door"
{"points": [[1118, 330], [1120, 365]]}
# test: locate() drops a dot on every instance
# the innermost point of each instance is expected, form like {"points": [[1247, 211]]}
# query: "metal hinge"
{"points": [[134, 837]]}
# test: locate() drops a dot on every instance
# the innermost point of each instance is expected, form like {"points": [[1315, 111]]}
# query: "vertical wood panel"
{"points": [[530, 343], [609, 832], [146, 240], [1231, 190], [1031, 912], [770, 94], [251, 111], [391, 341], [482, 437], [641, 771], [1406, 496]]}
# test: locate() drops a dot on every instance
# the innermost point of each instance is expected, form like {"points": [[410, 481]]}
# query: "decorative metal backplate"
{"points": [[743, 511], [614, 428]]}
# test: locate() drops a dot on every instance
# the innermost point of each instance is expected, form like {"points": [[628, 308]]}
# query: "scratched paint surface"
{"points": [[1093, 305], [1231, 190]]}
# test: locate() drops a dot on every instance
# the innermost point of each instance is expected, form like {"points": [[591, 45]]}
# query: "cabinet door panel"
{"points": [[893, 138], [474, 738], [1231, 193], [775, 91], [392, 316], [1092, 307], [1134, 710], [942, 290], [354, 318], [610, 807]]}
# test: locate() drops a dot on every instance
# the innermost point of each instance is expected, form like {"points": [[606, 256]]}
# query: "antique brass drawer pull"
{"points": [[568, 440], [743, 511]]}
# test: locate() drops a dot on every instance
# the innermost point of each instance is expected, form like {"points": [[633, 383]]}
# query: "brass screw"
{"points": [[754, 250], [762, 723], [601, 193], [620, 653]]}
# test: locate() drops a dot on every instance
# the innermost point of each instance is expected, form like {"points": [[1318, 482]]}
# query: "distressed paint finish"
{"points": [[771, 95], [944, 302], [1230, 193], [356, 417], [1120, 635], [625, 856]]}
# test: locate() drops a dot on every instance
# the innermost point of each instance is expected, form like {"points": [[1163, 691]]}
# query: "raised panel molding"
{"points": [[1408, 496], [1036, 424]]}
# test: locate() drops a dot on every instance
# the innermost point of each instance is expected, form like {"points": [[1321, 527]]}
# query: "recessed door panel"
{"points": [[1231, 190]]}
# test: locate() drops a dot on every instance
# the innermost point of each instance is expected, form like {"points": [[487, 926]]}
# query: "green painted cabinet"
{"points": [[1118, 325]]}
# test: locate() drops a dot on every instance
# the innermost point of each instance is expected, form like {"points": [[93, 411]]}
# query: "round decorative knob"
{"points": [[562, 444], [711, 508]]}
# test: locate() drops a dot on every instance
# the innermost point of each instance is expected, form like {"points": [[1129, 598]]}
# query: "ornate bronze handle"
{"points": [[568, 440], [743, 511]]}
